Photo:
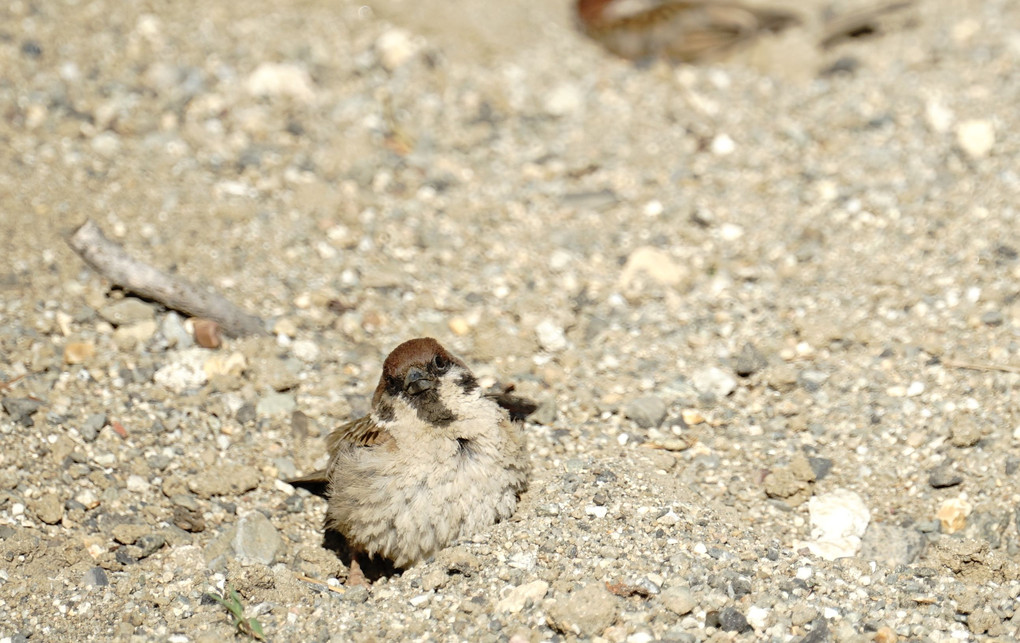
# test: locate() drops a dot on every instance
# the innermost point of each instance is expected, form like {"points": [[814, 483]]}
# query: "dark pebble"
{"points": [[31, 49], [819, 632], [1012, 465], [992, 318], [90, 428], [730, 620], [245, 414], [820, 466], [21, 409], [149, 544], [1008, 253], [188, 519], [944, 476], [124, 557], [749, 361]]}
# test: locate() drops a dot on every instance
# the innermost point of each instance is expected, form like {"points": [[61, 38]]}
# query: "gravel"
{"points": [[766, 314]]}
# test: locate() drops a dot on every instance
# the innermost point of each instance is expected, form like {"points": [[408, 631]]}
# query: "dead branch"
{"points": [[110, 260]]}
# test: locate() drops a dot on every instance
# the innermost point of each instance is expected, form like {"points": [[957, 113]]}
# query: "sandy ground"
{"points": [[771, 316]]}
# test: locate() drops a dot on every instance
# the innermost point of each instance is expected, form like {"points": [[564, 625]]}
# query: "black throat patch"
{"points": [[430, 408]]}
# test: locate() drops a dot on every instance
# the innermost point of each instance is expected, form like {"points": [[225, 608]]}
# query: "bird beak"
{"points": [[417, 380]]}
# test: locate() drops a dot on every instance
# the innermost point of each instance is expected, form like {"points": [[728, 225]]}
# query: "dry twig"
{"points": [[110, 260]]}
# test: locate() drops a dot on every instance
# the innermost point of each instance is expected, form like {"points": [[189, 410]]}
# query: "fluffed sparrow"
{"points": [[435, 461]]}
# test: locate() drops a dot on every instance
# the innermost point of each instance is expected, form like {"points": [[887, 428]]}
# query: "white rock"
{"points": [[597, 511], [184, 372], [519, 596], [656, 264], [758, 617], [723, 145], [550, 336], [305, 350], [564, 100], [137, 484], [394, 48], [838, 522], [281, 79], [939, 117], [976, 137]]}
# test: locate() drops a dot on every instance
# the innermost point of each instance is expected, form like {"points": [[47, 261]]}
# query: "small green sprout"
{"points": [[250, 627]]}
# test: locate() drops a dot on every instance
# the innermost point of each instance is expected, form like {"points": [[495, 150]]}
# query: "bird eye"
{"points": [[440, 363]]}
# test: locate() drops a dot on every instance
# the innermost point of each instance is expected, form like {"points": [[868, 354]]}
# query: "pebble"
{"points": [[232, 365], [95, 577], [679, 600], [550, 336], [714, 381], [78, 352], [586, 612], [305, 350], [127, 311], [758, 617], [224, 480], [257, 539], [21, 409], [565, 99], [128, 336], [185, 371], [749, 361], [728, 619], [394, 47], [173, 330], [838, 522], [90, 428], [976, 137], [952, 514], [811, 380], [275, 404], [892, 545], [964, 432], [654, 264], [518, 597], [944, 476], [281, 79], [648, 411], [48, 508]]}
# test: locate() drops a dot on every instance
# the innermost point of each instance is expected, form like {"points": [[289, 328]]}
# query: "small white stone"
{"points": [[137, 484], [394, 48], [730, 231], [550, 336], [976, 137], [700, 548], [518, 597], [915, 389], [281, 79], [939, 117], [838, 522], [305, 350], [723, 145], [564, 100], [17, 509], [597, 511], [653, 208], [420, 599], [758, 617]]}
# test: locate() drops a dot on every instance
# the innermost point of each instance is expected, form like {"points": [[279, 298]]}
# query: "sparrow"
{"points": [[436, 460], [677, 31], [698, 30]]}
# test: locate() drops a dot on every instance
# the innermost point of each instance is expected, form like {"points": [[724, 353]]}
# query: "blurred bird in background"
{"points": [[704, 30]]}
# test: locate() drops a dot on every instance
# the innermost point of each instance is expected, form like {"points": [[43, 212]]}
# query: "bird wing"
{"points": [[362, 432]]}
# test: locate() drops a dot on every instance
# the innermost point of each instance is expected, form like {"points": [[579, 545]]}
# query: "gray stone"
{"points": [[90, 428], [679, 600], [21, 409], [257, 538], [545, 414], [944, 476], [730, 620], [891, 545], [149, 544], [749, 361], [174, 332], [585, 612], [275, 404], [127, 311], [714, 381], [811, 380], [647, 412], [95, 577]]}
